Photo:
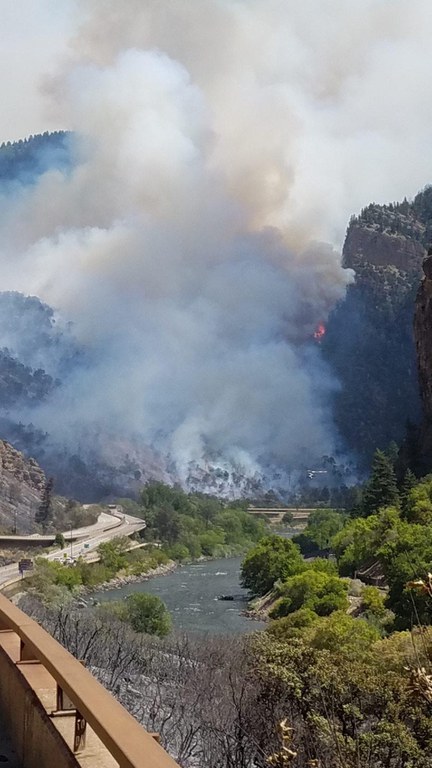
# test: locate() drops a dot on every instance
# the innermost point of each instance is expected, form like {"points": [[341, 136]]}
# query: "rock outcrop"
{"points": [[385, 238], [22, 482]]}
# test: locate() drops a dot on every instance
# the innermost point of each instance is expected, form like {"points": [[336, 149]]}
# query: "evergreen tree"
{"points": [[45, 507], [381, 490], [408, 482]]}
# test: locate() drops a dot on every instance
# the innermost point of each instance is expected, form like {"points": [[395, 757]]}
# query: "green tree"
{"points": [[272, 559], [178, 552], [373, 601], [113, 553], [322, 526], [381, 490], [311, 589], [167, 524], [210, 540], [148, 613], [288, 518], [408, 483], [60, 540], [407, 557], [356, 543], [417, 500], [44, 511]]}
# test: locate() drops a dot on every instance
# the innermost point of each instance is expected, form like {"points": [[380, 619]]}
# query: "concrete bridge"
{"points": [[275, 514], [57, 714]]}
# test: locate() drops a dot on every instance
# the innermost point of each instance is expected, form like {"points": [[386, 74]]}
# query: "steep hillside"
{"points": [[21, 486]]}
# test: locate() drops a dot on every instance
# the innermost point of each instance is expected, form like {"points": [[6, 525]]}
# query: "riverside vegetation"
{"points": [[180, 527], [345, 668]]}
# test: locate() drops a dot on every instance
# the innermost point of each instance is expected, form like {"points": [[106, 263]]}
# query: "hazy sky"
{"points": [[355, 77], [33, 36]]}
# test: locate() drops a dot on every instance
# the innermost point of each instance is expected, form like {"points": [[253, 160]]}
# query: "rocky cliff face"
{"points": [[369, 343], [423, 338], [21, 486], [423, 341], [385, 236]]}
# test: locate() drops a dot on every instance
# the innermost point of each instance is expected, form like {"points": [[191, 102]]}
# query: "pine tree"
{"points": [[45, 507], [381, 490], [408, 482]]}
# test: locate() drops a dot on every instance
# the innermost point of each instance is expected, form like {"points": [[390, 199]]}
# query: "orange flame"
{"points": [[320, 332]]}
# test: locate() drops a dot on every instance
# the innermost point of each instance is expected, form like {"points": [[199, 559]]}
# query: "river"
{"points": [[190, 594]]}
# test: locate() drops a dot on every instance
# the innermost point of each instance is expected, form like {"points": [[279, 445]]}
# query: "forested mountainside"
{"points": [[23, 161], [369, 342]]}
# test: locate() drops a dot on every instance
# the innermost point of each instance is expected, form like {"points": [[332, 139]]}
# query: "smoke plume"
{"points": [[218, 145]]}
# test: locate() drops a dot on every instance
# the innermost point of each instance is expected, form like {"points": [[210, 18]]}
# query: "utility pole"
{"points": [[71, 541]]}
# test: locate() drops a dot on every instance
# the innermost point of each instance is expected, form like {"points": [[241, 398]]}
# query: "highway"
{"points": [[109, 526]]}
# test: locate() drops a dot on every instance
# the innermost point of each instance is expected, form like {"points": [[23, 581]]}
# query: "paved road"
{"points": [[107, 527]]}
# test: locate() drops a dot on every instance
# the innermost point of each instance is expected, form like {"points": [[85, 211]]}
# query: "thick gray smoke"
{"points": [[218, 142]]}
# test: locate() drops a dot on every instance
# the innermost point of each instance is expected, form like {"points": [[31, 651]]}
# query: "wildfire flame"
{"points": [[319, 332]]}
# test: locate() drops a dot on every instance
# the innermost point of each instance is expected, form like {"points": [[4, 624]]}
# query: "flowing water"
{"points": [[190, 594]]}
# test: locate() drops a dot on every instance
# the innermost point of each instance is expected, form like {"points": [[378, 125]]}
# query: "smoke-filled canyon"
{"points": [[190, 245]]}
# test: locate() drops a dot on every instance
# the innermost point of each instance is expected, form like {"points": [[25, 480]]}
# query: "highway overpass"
{"points": [[275, 514], [57, 714], [84, 543]]}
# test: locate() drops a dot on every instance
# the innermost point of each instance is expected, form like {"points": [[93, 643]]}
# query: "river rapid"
{"points": [[190, 594]]}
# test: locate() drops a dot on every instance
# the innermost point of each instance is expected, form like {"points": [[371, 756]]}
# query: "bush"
{"points": [[293, 625], [178, 552], [210, 540], [373, 601], [148, 613], [272, 559], [315, 590]]}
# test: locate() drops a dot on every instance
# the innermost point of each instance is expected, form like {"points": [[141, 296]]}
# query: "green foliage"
{"points": [[407, 556], [210, 540], [113, 553], [178, 552], [60, 540], [293, 625], [373, 601], [417, 499], [344, 635], [273, 559], [323, 525], [347, 693], [381, 490], [288, 518], [147, 613], [323, 565], [53, 579], [312, 589], [356, 543], [200, 524], [374, 609]]}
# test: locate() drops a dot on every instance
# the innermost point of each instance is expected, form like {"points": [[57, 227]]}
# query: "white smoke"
{"points": [[219, 141]]}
